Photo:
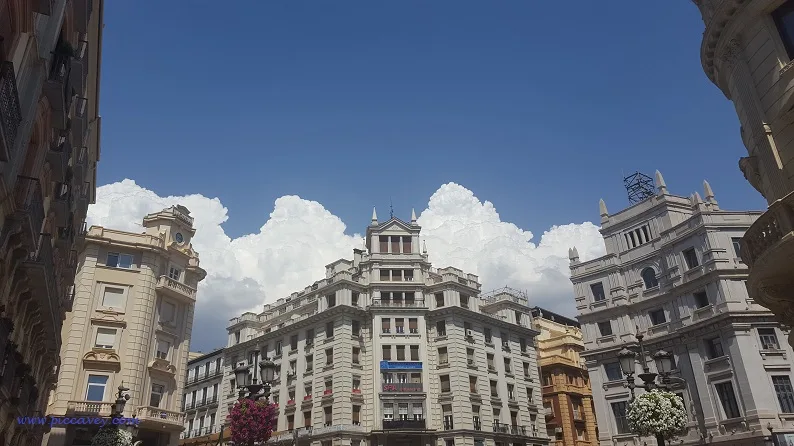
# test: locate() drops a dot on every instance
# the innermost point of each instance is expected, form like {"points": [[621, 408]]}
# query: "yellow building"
{"points": [[567, 397]]}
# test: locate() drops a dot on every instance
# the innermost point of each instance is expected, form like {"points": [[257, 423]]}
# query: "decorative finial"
{"points": [[391, 209], [374, 216], [573, 255], [602, 208], [413, 216], [710, 195], [660, 184], [698, 200]]}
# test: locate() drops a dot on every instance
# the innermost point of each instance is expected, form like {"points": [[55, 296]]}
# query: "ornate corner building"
{"points": [[50, 53], [387, 350], [130, 325], [748, 52], [673, 272], [567, 397]]}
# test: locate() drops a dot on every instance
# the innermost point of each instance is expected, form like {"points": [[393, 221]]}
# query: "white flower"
{"points": [[112, 436], [657, 412]]}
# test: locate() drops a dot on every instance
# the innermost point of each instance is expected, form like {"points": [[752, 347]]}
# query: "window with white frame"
{"points": [[388, 411], [167, 312], [768, 339], [163, 349], [95, 389], [175, 273], [156, 396], [105, 337], [113, 297], [119, 260]]}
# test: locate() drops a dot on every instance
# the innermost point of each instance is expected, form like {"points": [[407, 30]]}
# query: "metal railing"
{"points": [[10, 110], [403, 424]]}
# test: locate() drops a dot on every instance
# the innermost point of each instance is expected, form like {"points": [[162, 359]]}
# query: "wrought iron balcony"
{"points": [[10, 111], [41, 271], [403, 424], [29, 208], [58, 156], [57, 88]]}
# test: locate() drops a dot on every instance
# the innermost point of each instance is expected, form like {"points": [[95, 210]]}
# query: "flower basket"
{"points": [[252, 421], [111, 435], [657, 413]]}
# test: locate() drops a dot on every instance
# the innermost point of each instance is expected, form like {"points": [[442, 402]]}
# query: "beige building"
{"points": [[50, 53], [130, 325], [748, 52], [567, 397], [387, 350]]}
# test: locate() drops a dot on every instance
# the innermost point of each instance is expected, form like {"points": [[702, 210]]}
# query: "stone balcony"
{"points": [[768, 249], [96, 408], [176, 289], [159, 419]]}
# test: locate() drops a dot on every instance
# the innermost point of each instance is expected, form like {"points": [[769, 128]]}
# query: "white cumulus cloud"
{"points": [[300, 237]]}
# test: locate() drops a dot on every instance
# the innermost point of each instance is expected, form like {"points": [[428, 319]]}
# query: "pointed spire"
{"points": [[374, 216], [710, 195], [573, 255], [602, 208], [660, 184], [698, 200], [413, 216]]}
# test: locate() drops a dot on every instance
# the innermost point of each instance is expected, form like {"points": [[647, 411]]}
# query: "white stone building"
{"points": [[202, 394], [388, 350], [673, 272]]}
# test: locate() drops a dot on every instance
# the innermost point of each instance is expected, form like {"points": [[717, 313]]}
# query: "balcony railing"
{"points": [[418, 303], [176, 288], [10, 111], [99, 408], [512, 429], [160, 415], [28, 201], [403, 424], [770, 228], [402, 387], [202, 376]]}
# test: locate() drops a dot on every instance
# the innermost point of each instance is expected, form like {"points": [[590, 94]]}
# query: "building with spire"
{"points": [[130, 327], [748, 53], [672, 273], [388, 350]]}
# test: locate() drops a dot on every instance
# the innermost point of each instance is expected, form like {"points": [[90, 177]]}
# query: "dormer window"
{"points": [[394, 244], [649, 277]]}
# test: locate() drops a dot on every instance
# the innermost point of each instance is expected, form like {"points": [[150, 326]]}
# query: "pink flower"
{"points": [[252, 421]]}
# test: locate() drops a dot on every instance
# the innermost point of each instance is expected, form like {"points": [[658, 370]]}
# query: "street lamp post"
{"points": [[664, 364], [117, 411], [254, 391]]}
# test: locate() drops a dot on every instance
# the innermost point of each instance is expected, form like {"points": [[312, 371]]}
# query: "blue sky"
{"points": [[538, 107]]}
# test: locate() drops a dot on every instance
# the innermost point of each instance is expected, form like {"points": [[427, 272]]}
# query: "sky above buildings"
{"points": [[280, 124]]}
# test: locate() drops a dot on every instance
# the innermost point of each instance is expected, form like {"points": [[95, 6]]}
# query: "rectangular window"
{"points": [[328, 415], [290, 422], [488, 336], [117, 260], [307, 419], [464, 301], [401, 353], [175, 273], [105, 338], [331, 299], [156, 397], [441, 328], [399, 325], [714, 348], [167, 312], [329, 330], [657, 317], [388, 411], [383, 244], [356, 328], [737, 246], [395, 244], [356, 353], [310, 336], [95, 391], [621, 423], [472, 384], [406, 245], [445, 387], [613, 371], [439, 300], [329, 356], [385, 325], [413, 325], [309, 363], [728, 399], [163, 348], [293, 342], [356, 415], [354, 299], [522, 343], [784, 21], [491, 366], [386, 352], [494, 389], [605, 328], [598, 291], [508, 367], [442, 356], [384, 275], [768, 339], [784, 392], [701, 299], [279, 347], [691, 258], [113, 298], [414, 353]]}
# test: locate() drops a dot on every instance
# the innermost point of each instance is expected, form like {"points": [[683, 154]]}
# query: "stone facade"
{"points": [[567, 397], [748, 52], [130, 326], [388, 350], [673, 273], [50, 53], [201, 397]]}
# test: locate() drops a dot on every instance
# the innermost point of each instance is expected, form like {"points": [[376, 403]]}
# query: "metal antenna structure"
{"points": [[639, 186]]}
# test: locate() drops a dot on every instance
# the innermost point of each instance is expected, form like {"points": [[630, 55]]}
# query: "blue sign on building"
{"points": [[399, 365]]}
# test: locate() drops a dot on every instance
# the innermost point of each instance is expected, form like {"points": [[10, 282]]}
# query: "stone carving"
{"points": [[730, 54], [749, 167], [162, 366], [105, 359]]}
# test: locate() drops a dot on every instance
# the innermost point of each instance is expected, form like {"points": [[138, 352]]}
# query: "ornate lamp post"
{"points": [[117, 411], [267, 372], [664, 364]]}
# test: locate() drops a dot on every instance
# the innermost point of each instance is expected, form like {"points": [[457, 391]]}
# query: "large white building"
{"points": [[673, 272], [387, 350]]}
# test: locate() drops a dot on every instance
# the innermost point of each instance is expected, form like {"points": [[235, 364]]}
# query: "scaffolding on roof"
{"points": [[504, 290]]}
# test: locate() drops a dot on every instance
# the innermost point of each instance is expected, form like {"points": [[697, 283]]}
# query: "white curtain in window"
{"points": [[388, 409], [105, 337]]}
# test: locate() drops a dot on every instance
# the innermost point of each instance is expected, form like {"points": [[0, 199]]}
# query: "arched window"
{"points": [[649, 277]]}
